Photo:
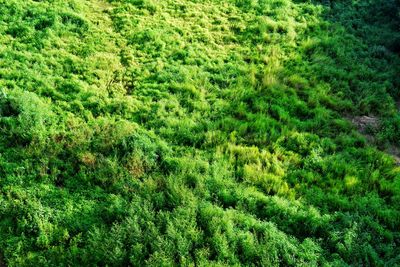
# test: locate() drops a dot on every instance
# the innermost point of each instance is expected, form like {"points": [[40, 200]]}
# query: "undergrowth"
{"points": [[198, 133]]}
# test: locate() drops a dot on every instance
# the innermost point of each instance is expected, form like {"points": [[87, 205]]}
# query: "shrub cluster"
{"points": [[198, 133]]}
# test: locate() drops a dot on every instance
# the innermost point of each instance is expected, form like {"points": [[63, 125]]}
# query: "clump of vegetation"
{"points": [[164, 133]]}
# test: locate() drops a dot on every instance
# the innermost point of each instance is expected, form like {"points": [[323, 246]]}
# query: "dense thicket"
{"points": [[198, 133]]}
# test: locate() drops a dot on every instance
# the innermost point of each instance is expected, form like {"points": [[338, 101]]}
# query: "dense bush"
{"points": [[198, 133]]}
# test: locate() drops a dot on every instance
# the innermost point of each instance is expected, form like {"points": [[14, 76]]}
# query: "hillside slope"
{"points": [[199, 133]]}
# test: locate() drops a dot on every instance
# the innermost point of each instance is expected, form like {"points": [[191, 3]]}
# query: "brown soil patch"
{"points": [[395, 152], [363, 123], [2, 262]]}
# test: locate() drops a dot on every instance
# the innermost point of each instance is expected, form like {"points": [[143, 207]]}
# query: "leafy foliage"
{"points": [[164, 133]]}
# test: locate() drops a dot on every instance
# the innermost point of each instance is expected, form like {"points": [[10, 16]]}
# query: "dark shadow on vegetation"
{"points": [[274, 109]]}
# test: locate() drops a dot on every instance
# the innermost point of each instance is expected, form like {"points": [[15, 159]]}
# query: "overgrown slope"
{"points": [[198, 133]]}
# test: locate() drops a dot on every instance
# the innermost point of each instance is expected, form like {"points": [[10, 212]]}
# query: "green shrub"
{"points": [[209, 133]]}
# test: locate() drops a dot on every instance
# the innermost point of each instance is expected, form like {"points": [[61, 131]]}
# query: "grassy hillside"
{"points": [[199, 133]]}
